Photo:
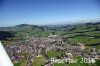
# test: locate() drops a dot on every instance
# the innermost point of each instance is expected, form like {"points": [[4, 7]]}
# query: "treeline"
{"points": [[4, 35]]}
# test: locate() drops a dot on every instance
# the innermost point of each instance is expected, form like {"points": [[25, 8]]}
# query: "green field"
{"points": [[52, 54]]}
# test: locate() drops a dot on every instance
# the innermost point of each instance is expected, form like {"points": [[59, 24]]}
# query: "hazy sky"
{"points": [[42, 12]]}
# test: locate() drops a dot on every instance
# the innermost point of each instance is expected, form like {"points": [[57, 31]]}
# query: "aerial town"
{"points": [[37, 47], [49, 32]]}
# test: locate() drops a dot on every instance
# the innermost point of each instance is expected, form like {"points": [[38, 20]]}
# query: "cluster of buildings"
{"points": [[39, 46]]}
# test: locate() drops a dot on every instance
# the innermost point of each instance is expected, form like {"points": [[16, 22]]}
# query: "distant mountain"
{"points": [[22, 27], [96, 23]]}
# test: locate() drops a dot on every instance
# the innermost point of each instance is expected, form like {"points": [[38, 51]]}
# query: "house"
{"points": [[97, 57]]}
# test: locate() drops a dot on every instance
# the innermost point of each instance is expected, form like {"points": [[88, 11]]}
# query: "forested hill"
{"points": [[4, 35], [20, 27]]}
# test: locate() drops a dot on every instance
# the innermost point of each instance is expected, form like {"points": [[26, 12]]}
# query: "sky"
{"points": [[48, 12]]}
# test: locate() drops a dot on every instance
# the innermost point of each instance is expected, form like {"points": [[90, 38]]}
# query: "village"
{"points": [[36, 47]]}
